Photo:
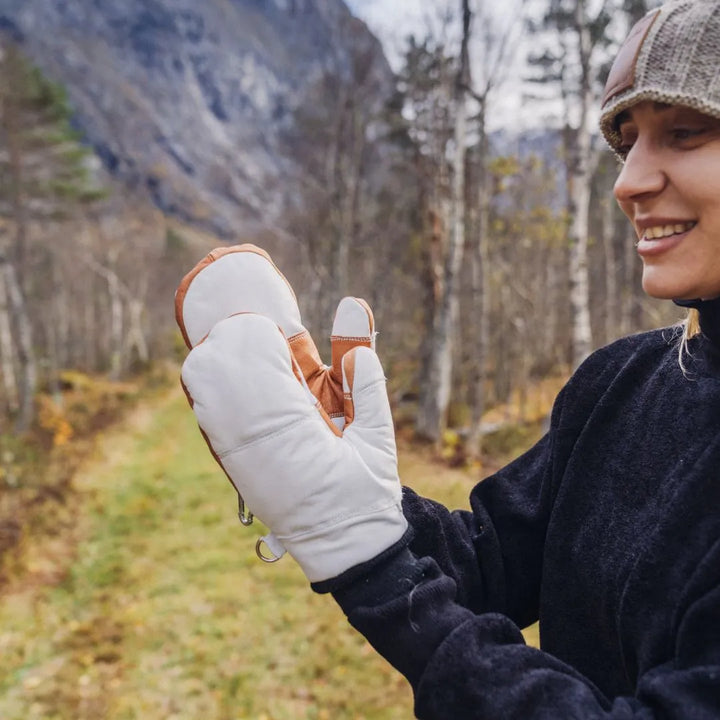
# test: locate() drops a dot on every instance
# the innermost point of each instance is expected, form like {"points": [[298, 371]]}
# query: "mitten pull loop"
{"points": [[245, 516], [273, 545]]}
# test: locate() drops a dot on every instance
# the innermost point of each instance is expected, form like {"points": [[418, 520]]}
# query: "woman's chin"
{"points": [[658, 285], [662, 292]]}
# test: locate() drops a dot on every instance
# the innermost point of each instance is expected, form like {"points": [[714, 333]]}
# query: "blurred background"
{"points": [[439, 158]]}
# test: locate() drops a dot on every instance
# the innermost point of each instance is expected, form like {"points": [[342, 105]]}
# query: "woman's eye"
{"points": [[683, 133]]}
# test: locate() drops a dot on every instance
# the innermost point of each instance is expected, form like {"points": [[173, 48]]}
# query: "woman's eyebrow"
{"points": [[626, 115], [663, 107]]}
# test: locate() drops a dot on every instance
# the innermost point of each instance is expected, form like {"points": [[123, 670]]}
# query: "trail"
{"points": [[155, 605]]}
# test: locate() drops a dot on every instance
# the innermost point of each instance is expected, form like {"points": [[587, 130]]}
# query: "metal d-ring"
{"points": [[258, 552], [245, 516]]}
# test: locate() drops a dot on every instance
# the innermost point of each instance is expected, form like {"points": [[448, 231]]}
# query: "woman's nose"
{"points": [[641, 175]]}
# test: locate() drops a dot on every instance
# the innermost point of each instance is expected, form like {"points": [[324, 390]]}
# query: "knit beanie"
{"points": [[671, 56]]}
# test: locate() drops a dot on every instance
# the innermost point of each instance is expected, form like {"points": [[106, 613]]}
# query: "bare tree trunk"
{"points": [[628, 305], [579, 178], [90, 334], [579, 280], [611, 271], [348, 168], [11, 125], [480, 307], [63, 315], [432, 414], [117, 290], [24, 345], [340, 251], [55, 320], [135, 336], [116, 324], [7, 357]]}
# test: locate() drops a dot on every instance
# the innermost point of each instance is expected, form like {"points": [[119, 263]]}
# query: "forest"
{"points": [[493, 260]]}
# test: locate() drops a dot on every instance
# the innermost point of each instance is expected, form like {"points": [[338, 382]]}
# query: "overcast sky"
{"points": [[392, 21]]}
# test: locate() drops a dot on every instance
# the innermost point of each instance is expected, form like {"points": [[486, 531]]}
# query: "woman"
{"points": [[607, 531]]}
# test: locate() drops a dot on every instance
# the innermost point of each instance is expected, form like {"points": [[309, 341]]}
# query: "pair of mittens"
{"points": [[310, 447]]}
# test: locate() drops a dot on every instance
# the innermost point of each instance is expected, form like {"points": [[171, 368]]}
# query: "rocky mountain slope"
{"points": [[190, 99]]}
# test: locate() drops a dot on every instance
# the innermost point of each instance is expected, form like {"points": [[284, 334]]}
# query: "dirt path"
{"points": [[155, 606]]}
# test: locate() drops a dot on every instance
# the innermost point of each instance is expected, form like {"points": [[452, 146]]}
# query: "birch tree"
{"points": [[491, 69], [435, 391], [570, 59]]}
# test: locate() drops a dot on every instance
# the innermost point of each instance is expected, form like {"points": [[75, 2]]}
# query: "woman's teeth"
{"points": [[661, 231]]}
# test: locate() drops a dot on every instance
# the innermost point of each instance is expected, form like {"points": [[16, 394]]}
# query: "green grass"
{"points": [[165, 613]]}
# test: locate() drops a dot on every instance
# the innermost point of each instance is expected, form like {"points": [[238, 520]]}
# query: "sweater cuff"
{"points": [[359, 573], [405, 608]]}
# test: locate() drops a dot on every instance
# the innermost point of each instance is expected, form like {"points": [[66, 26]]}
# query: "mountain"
{"points": [[190, 100]]}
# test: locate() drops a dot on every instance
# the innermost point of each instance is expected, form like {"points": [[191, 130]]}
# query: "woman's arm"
{"points": [[494, 552], [466, 666]]}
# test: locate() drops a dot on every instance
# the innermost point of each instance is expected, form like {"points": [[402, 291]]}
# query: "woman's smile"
{"points": [[659, 238]]}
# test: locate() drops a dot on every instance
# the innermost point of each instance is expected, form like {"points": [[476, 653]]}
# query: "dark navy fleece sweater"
{"points": [[607, 531]]}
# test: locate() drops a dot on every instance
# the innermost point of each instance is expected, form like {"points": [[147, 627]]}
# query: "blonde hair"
{"points": [[690, 328], [692, 324]]}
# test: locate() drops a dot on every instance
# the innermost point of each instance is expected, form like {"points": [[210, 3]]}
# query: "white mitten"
{"points": [[333, 500], [243, 278]]}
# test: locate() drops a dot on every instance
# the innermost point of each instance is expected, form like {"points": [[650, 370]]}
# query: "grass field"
{"points": [[157, 608]]}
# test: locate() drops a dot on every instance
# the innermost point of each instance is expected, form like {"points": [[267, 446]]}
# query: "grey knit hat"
{"points": [[672, 56]]}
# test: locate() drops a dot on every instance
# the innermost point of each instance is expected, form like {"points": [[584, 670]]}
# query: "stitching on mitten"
{"points": [[262, 438], [381, 506]]}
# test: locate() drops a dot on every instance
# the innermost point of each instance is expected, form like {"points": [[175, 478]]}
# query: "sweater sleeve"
{"points": [[493, 552], [465, 666]]}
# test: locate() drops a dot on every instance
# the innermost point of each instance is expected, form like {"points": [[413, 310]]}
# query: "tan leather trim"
{"points": [[368, 310], [187, 394], [341, 346], [211, 257], [323, 385], [205, 437], [348, 404], [306, 353], [328, 393], [622, 72], [181, 292], [323, 394], [218, 461]]}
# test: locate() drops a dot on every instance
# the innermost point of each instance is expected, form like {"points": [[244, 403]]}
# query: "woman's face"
{"points": [[669, 187]]}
